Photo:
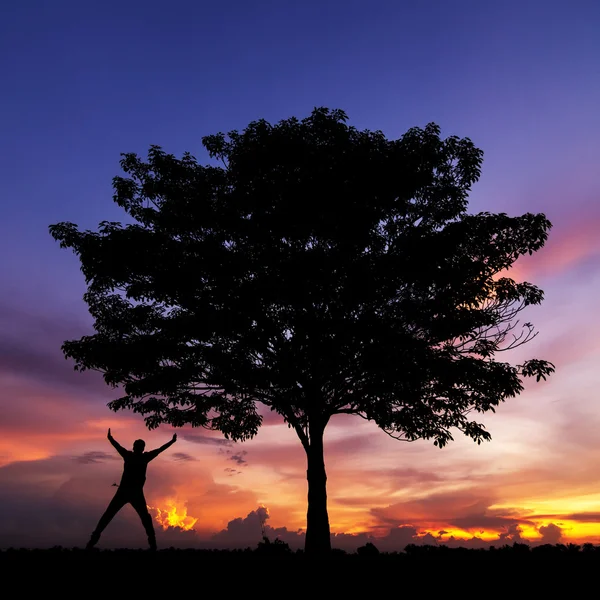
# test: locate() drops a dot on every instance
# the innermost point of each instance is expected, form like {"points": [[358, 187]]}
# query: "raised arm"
{"points": [[154, 453], [116, 445]]}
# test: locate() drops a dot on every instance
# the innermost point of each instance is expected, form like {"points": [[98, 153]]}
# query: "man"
{"points": [[131, 488]]}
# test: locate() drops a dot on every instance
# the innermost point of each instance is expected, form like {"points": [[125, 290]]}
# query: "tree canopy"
{"points": [[316, 269]]}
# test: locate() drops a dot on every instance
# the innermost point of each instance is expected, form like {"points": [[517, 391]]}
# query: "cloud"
{"points": [[247, 532], [232, 472], [469, 506], [486, 521], [551, 534], [512, 534], [198, 438], [95, 456], [591, 517], [182, 456], [238, 457], [464, 510]]}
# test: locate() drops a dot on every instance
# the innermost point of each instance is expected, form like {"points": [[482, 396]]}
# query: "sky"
{"points": [[85, 81]]}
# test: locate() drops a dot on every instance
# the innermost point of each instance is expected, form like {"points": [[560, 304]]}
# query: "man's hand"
{"points": [[116, 444], [154, 453]]}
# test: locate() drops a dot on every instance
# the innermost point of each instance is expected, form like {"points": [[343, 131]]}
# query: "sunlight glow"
{"points": [[174, 515]]}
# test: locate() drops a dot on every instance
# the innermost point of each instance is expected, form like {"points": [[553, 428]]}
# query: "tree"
{"points": [[316, 269]]}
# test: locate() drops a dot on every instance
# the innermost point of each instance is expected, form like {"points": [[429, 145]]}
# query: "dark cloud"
{"points": [[467, 509], [238, 458], [512, 535], [94, 456], [441, 507], [198, 438], [247, 532], [232, 472], [182, 456], [551, 534], [591, 517], [583, 517], [30, 348], [486, 521]]}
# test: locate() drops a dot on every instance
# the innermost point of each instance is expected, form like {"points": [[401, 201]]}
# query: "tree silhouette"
{"points": [[316, 269]]}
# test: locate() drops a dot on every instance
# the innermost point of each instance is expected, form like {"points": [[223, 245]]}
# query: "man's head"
{"points": [[138, 446]]}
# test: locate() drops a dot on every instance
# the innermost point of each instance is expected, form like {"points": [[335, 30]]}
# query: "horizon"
{"points": [[84, 86]]}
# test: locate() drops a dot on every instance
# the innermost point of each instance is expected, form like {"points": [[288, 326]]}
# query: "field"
{"points": [[424, 571]]}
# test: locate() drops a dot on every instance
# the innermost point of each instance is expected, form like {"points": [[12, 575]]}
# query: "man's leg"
{"points": [[141, 508], [116, 504]]}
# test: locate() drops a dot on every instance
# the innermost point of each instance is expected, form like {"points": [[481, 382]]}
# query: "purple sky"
{"points": [[85, 81]]}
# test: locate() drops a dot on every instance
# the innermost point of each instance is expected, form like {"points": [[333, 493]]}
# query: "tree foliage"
{"points": [[321, 269]]}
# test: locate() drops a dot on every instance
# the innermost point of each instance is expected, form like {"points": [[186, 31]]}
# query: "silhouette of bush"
{"points": [[68, 560], [367, 550], [273, 548], [520, 547]]}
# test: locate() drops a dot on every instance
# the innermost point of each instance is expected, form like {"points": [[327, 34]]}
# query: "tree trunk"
{"points": [[318, 541]]}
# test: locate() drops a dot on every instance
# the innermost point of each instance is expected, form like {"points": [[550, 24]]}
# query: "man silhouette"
{"points": [[131, 488]]}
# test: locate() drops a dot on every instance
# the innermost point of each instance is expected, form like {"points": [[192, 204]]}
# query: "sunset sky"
{"points": [[84, 81]]}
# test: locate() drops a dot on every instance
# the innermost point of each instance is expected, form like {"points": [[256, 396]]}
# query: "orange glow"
{"points": [[462, 534], [174, 515], [573, 531], [13, 451]]}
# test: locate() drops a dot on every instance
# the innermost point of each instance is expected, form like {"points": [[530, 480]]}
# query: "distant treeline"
{"points": [[278, 549]]}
